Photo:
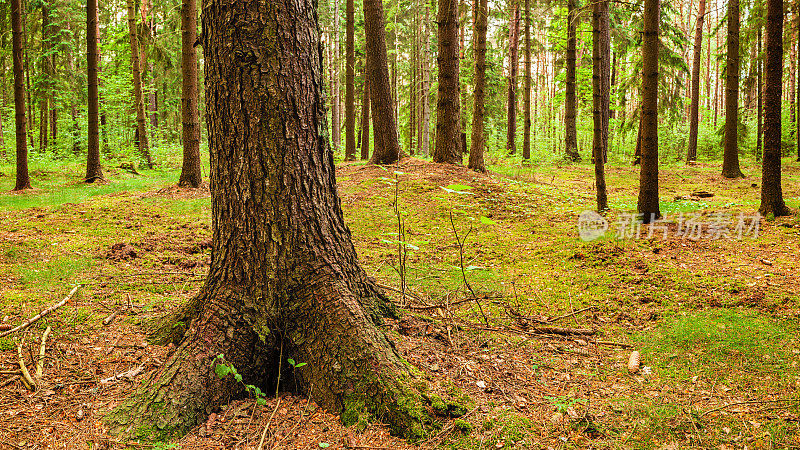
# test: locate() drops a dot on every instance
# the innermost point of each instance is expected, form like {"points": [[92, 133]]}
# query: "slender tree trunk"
{"points": [[759, 98], [426, 86], [797, 87], [387, 147], [448, 108], [513, 69], [191, 173], [478, 143], [730, 161], [365, 120], [570, 109], [526, 136], [336, 100], [648, 205], [22, 180], [600, 104], [284, 279], [141, 124], [412, 91], [31, 124], [93, 169], [771, 190], [350, 86], [694, 112]]}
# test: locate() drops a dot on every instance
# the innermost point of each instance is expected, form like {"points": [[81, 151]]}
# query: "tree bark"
{"points": [[478, 141], [771, 190], [448, 108], [526, 134], [93, 169], [513, 69], [22, 179], [426, 85], [571, 130], [138, 98], [191, 173], [384, 122], [648, 205], [601, 43], [797, 87], [365, 119], [730, 161], [694, 112], [336, 101], [284, 277], [350, 86], [759, 98]]}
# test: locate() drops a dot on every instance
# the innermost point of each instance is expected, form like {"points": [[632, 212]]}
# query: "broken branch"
{"points": [[25, 376], [40, 362], [47, 311]]}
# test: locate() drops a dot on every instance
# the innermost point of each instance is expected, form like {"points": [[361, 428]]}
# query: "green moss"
{"points": [[463, 426]]}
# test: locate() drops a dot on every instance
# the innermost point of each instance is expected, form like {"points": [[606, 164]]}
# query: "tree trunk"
{"points": [[513, 69], [600, 99], [387, 147], [284, 277], [426, 86], [571, 130], [478, 143], [526, 134], [648, 205], [30, 118], [93, 169], [336, 101], [771, 190], [191, 173], [22, 180], [694, 112], [797, 97], [448, 108], [759, 98], [141, 124], [350, 86], [730, 161], [365, 107]]}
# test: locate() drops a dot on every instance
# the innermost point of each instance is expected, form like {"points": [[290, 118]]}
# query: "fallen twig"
{"points": [[128, 374], [750, 402], [40, 361], [563, 331], [571, 314], [613, 344], [25, 375], [110, 317], [47, 311]]}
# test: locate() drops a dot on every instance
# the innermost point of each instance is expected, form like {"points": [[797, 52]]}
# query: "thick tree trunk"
{"points": [[478, 138], [426, 86], [138, 98], [336, 101], [526, 96], [284, 277], [600, 99], [570, 109], [694, 112], [448, 108], [759, 99], [513, 69], [384, 122], [22, 180], [771, 190], [93, 170], [730, 160], [191, 173], [797, 87], [648, 205], [350, 84]]}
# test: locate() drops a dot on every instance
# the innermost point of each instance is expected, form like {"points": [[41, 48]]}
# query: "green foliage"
{"points": [[224, 368]]}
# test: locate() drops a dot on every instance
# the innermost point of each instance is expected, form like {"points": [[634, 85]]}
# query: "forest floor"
{"points": [[715, 320]]}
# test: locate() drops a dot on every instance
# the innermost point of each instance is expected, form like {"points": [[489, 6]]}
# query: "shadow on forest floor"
{"points": [[715, 320]]}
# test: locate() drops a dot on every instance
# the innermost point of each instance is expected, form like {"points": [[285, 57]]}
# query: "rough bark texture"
{"points": [[478, 141], [771, 190], [284, 273], [730, 159], [513, 69], [601, 43], [448, 107], [384, 121], [191, 174], [138, 98], [426, 86], [694, 112], [93, 168], [526, 133], [336, 101], [797, 97], [760, 100], [349, 83], [571, 130], [648, 205], [23, 180]]}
